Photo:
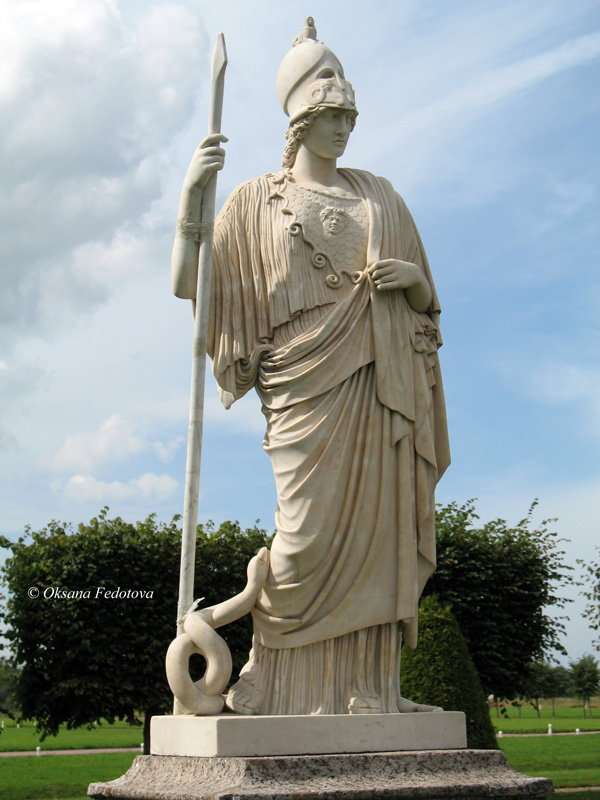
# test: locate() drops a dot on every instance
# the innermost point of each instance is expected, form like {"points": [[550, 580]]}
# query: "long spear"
{"points": [[218, 64]]}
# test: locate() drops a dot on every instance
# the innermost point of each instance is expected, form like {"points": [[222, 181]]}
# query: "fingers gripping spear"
{"points": [[194, 447]]}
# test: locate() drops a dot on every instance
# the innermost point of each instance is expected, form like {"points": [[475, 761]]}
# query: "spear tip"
{"points": [[218, 60]]}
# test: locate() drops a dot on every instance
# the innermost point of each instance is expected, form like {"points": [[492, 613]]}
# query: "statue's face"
{"points": [[329, 133]]}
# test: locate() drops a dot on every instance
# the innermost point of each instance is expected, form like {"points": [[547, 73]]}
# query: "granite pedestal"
{"points": [[222, 763], [430, 775]]}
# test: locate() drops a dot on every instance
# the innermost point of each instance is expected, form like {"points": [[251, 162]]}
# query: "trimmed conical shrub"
{"points": [[440, 672]]}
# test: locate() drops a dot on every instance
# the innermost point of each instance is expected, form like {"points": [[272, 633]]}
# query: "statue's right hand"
{"points": [[208, 158]]}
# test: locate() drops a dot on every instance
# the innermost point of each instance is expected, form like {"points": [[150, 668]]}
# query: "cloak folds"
{"points": [[356, 431]]}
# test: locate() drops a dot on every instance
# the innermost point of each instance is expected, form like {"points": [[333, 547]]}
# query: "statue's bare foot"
{"points": [[365, 705], [238, 707], [406, 706]]}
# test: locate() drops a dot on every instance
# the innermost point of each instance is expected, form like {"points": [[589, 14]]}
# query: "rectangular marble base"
{"points": [[227, 735]]}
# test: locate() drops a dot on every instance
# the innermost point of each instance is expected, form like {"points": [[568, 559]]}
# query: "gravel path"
{"points": [[72, 752]]}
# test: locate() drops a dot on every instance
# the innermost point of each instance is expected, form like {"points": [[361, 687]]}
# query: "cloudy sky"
{"points": [[485, 117]]}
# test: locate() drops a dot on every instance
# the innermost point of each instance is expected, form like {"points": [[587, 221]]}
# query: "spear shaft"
{"points": [[218, 64]]}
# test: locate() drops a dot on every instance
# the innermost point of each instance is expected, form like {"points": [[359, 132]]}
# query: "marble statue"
{"points": [[322, 300]]}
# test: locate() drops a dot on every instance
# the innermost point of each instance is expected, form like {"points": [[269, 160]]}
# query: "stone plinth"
{"points": [[473, 774], [229, 735]]}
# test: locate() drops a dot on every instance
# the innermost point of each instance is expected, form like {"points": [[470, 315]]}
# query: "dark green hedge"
{"points": [[441, 672]]}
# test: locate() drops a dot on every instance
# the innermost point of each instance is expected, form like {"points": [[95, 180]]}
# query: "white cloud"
{"points": [[18, 380], [93, 108], [166, 451], [115, 440], [484, 85], [439, 113], [148, 487], [126, 255]]}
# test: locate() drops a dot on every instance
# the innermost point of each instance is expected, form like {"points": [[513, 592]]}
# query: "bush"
{"points": [[85, 651], [441, 672]]}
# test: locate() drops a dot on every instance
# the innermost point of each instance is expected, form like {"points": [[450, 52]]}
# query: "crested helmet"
{"points": [[311, 76]]}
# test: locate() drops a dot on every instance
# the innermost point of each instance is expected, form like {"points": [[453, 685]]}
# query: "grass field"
{"points": [[26, 737], [569, 760], [58, 777], [567, 717]]}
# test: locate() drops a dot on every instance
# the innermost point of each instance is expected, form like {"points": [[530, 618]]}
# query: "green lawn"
{"points": [[58, 777], [591, 795], [26, 737], [567, 717], [568, 760]]}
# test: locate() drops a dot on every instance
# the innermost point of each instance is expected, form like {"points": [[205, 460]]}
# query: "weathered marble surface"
{"points": [[323, 301], [231, 735], [473, 774]]}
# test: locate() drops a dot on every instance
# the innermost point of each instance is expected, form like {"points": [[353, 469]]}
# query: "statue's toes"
{"points": [[406, 706]]}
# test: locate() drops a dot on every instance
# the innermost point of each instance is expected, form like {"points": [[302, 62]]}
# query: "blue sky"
{"points": [[484, 116]]}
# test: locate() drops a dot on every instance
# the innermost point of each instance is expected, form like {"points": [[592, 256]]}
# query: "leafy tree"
{"points": [[591, 579], [561, 679], [557, 684], [544, 680], [441, 672], [87, 652], [499, 581], [585, 680], [537, 678]]}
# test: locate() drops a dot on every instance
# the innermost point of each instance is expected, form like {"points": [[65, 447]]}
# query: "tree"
{"points": [[499, 581], [557, 684], [441, 672], [537, 680], [585, 680], [591, 580], [91, 612], [544, 680]]}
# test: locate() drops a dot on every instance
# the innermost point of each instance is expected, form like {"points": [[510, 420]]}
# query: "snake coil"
{"points": [[205, 696]]}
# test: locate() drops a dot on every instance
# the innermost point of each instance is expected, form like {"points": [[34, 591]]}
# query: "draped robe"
{"points": [[352, 395]]}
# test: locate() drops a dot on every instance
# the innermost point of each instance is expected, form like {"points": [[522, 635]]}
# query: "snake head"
{"points": [[258, 568], [194, 606]]}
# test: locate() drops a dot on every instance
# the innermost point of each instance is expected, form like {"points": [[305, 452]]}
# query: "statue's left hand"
{"points": [[391, 273]]}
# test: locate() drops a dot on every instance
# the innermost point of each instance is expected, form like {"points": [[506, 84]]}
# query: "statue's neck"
{"points": [[312, 170]]}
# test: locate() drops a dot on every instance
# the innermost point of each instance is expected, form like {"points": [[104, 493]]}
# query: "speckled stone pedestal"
{"points": [[427, 775]]}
